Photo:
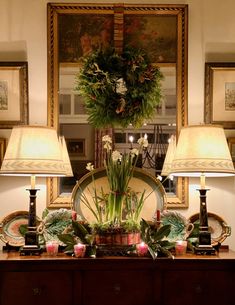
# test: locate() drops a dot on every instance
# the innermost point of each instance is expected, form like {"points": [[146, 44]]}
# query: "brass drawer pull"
{"points": [[37, 291]]}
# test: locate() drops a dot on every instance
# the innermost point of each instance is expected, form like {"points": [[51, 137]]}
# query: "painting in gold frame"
{"points": [[2, 149], [13, 94], [220, 94], [231, 145]]}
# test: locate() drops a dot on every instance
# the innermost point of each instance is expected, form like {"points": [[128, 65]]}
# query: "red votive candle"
{"points": [[180, 247], [52, 247], [79, 250], [142, 249]]}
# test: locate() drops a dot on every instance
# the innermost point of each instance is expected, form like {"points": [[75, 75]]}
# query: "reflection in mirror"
{"points": [[67, 113], [158, 131], [79, 136]]}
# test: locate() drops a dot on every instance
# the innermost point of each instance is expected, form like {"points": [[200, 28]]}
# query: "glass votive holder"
{"points": [[142, 249], [180, 247], [52, 247], [79, 250]]}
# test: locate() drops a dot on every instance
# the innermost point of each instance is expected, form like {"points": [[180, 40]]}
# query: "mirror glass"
{"points": [[66, 109]]}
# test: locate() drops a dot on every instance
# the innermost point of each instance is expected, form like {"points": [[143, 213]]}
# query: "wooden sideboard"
{"points": [[65, 280]]}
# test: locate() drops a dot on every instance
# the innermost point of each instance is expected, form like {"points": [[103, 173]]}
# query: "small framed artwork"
{"points": [[76, 147], [2, 149], [13, 94], [231, 145], [220, 94]]}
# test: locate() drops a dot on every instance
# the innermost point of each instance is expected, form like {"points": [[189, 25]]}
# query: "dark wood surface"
{"points": [[67, 280]]}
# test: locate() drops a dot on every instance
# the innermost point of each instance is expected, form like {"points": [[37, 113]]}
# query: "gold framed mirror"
{"points": [[68, 26]]}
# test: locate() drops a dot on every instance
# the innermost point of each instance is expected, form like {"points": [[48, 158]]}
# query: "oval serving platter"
{"points": [[141, 180], [218, 228], [10, 228]]}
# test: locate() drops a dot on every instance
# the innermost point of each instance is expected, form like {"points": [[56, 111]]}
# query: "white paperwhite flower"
{"points": [[159, 177], [107, 146], [134, 152], [107, 139], [116, 155], [143, 142], [90, 166]]}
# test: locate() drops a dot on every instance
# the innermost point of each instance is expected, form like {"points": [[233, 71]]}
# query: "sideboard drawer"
{"points": [[198, 287], [117, 287], [36, 288]]}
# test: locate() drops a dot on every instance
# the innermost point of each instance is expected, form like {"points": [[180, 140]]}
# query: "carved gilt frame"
{"points": [[54, 200]]}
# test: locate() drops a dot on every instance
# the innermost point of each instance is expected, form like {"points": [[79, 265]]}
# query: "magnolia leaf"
{"points": [[166, 252], [69, 249], [166, 244], [164, 231], [67, 239], [80, 231], [152, 252]]}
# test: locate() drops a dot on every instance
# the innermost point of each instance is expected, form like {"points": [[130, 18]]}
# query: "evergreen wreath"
{"points": [[119, 89]]}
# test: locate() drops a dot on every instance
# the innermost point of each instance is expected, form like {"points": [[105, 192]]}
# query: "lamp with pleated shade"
{"points": [[33, 151], [166, 169], [202, 151], [65, 156]]}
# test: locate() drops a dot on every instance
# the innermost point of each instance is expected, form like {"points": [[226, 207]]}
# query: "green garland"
{"points": [[119, 89]]}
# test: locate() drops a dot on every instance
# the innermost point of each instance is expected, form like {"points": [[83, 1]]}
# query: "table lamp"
{"points": [[65, 157], [202, 151], [166, 169], [169, 182], [33, 151]]}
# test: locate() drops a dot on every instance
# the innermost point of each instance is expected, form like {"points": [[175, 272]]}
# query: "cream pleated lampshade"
{"points": [[202, 149], [33, 150], [66, 159], [166, 169]]}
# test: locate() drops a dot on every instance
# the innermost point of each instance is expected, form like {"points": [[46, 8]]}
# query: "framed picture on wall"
{"points": [[76, 147], [220, 94], [231, 145], [2, 149], [13, 94]]}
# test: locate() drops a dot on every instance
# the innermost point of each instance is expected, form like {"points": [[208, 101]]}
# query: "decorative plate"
{"points": [[54, 224], [10, 228], [217, 226], [180, 226], [141, 180]]}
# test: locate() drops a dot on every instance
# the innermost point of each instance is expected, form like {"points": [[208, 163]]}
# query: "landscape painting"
{"points": [[81, 34], [157, 35]]}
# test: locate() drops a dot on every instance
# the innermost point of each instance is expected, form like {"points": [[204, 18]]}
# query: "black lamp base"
{"points": [[205, 250], [31, 246], [30, 250], [204, 241]]}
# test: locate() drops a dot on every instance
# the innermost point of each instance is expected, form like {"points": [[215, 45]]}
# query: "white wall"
{"points": [[23, 36]]}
